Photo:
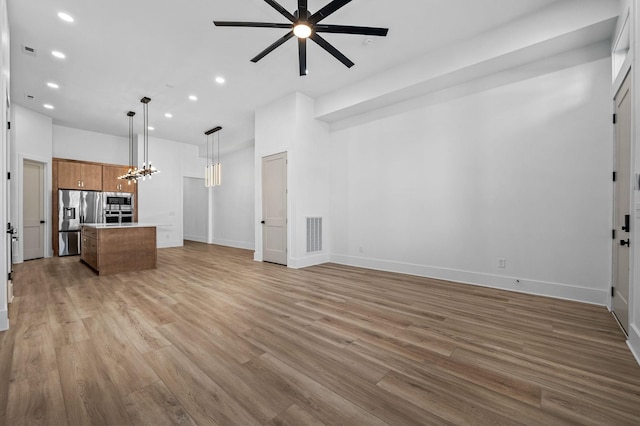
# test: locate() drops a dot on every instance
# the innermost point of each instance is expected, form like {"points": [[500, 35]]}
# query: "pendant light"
{"points": [[213, 171], [217, 181], [132, 173], [147, 169]]}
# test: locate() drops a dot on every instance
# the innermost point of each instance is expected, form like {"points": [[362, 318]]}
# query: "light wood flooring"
{"points": [[212, 337]]}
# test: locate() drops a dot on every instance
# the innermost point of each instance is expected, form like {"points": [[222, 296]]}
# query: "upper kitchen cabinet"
{"points": [[111, 183], [78, 175]]}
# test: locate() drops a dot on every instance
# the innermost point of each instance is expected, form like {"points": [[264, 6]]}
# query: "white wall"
{"points": [[31, 139], [288, 124], [232, 219], [195, 210], [309, 182], [275, 133], [84, 145], [519, 171], [160, 198], [4, 162]]}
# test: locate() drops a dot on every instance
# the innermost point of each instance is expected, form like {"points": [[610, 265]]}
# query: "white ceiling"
{"points": [[121, 50]]}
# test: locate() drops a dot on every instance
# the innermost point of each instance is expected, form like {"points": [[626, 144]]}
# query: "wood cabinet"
{"points": [[78, 175], [81, 175], [89, 247], [111, 183], [110, 250]]}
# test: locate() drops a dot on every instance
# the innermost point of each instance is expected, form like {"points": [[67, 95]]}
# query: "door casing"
{"points": [[34, 215], [622, 204], [274, 209]]}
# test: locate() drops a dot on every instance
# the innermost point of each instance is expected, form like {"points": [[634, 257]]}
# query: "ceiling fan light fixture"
{"points": [[305, 25], [302, 30]]}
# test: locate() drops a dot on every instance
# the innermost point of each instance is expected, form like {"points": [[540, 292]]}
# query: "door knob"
{"points": [[42, 221], [625, 243], [262, 222]]}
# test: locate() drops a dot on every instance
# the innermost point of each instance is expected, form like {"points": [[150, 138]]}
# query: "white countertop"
{"points": [[119, 225]]}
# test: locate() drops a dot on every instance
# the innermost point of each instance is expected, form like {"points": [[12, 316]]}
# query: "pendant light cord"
{"points": [[146, 134], [130, 142]]}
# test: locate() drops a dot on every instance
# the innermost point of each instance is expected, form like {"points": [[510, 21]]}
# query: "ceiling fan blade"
{"points": [[329, 48], [303, 10], [251, 24], [350, 29], [327, 10], [271, 48], [284, 12], [302, 55]]}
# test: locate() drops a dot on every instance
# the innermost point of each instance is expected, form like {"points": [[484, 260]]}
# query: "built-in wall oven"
{"points": [[118, 207]]}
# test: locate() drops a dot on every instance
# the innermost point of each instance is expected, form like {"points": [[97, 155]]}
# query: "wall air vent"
{"points": [[314, 234], [29, 97], [29, 51]]}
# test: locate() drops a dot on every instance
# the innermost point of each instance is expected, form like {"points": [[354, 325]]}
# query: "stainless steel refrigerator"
{"points": [[76, 208]]}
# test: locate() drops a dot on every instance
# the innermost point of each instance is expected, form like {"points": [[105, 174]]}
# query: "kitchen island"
{"points": [[112, 248]]}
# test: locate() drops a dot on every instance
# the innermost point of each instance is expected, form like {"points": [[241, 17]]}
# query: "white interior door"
{"points": [[274, 208], [10, 229], [622, 204], [195, 210], [33, 210]]}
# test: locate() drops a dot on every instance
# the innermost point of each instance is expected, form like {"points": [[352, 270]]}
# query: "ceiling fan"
{"points": [[306, 25]]}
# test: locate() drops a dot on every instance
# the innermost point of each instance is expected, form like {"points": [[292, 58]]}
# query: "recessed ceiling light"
{"points": [[220, 80], [47, 106], [193, 97], [65, 17], [53, 85], [57, 54], [168, 115], [151, 128]]}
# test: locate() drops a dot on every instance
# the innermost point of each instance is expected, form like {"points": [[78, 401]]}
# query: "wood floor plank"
{"points": [[89, 395], [213, 337], [446, 406], [124, 365], [34, 352], [316, 397], [85, 299], [155, 405], [66, 325], [295, 416], [142, 335], [7, 343], [329, 370], [583, 411], [205, 401], [37, 400], [207, 351], [599, 390]]}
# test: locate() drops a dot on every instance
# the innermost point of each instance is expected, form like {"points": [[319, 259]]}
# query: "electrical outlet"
{"points": [[502, 262]]}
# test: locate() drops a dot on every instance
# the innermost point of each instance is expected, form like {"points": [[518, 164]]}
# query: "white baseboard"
{"points": [[234, 244], [311, 260], [4, 320], [196, 238], [541, 288], [634, 342], [169, 243]]}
